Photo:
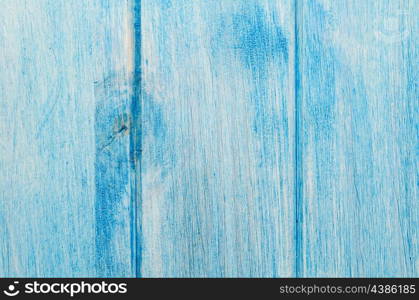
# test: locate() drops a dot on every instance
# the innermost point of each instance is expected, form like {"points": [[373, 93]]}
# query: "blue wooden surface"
{"points": [[357, 102], [217, 166], [65, 196], [175, 138]]}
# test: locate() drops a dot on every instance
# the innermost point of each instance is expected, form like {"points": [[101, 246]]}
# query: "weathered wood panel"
{"points": [[217, 158], [357, 136], [65, 180]]}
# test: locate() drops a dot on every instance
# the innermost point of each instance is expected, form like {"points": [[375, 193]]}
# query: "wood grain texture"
{"points": [[65, 206], [197, 138], [217, 166], [357, 138]]}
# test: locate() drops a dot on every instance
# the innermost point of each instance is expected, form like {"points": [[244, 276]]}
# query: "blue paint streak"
{"points": [[258, 43], [135, 144], [111, 170]]}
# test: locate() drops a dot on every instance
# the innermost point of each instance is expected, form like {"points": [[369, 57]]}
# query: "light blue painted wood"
{"points": [[357, 138], [65, 182], [249, 138], [218, 139]]}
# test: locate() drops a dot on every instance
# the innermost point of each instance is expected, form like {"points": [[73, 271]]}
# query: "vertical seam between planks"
{"points": [[297, 155], [135, 140]]}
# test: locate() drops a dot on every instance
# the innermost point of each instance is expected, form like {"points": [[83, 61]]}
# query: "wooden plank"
{"points": [[217, 164], [357, 138], [65, 182]]}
